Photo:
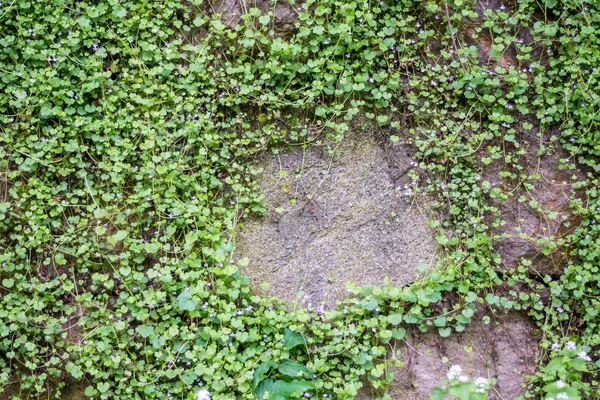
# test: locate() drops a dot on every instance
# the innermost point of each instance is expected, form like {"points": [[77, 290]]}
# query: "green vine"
{"points": [[127, 131]]}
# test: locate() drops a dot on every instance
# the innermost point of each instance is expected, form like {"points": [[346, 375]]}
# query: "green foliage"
{"points": [[127, 134]]}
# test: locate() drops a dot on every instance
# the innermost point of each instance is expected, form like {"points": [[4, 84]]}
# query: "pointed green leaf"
{"points": [[291, 368], [292, 339]]}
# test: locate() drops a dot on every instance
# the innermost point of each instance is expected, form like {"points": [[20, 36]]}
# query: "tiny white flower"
{"points": [[554, 346], [571, 345], [480, 382], [454, 372], [562, 396], [560, 384], [463, 379], [583, 355], [202, 395]]}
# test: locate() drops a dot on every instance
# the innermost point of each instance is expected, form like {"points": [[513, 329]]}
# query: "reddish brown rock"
{"points": [[504, 349], [526, 227]]}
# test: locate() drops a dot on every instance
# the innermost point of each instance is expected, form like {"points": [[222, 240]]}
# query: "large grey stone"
{"points": [[336, 219]]}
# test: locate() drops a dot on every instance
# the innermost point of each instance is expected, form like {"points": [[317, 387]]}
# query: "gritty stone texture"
{"points": [[285, 14], [552, 187], [333, 220], [504, 349]]}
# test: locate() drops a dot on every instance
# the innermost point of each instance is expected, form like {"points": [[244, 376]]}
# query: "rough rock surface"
{"points": [[551, 189], [285, 14], [504, 349], [333, 220]]}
